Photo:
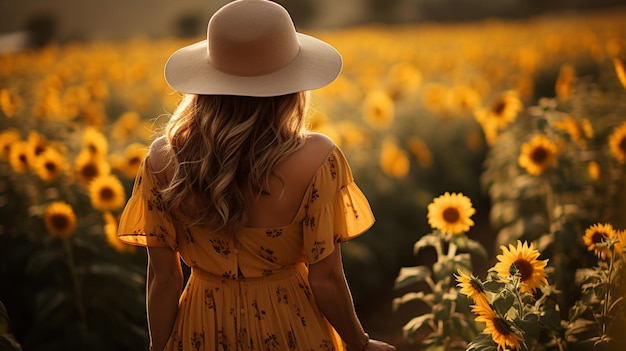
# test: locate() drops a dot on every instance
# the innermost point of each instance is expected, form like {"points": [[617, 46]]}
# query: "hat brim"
{"points": [[317, 64]]}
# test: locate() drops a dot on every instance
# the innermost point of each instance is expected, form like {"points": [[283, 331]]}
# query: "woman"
{"points": [[256, 206]]}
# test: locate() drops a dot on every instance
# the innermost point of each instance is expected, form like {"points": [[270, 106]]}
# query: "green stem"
{"points": [[75, 283], [607, 296], [438, 248], [452, 250]]}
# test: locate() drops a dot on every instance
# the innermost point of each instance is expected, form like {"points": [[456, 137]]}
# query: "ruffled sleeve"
{"points": [[337, 210], [144, 221]]}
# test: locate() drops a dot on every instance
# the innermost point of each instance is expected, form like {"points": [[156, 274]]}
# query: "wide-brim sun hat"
{"points": [[252, 49]]}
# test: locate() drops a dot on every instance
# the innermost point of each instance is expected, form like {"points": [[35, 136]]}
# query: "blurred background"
{"points": [[88, 20], [436, 96]]}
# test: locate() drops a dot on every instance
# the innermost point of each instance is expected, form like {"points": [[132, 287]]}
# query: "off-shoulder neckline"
{"points": [[305, 197]]}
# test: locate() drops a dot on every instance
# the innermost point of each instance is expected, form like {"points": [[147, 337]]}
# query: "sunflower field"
{"points": [[493, 154]]}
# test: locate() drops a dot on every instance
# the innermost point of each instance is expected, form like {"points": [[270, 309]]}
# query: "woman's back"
{"points": [[279, 207]]}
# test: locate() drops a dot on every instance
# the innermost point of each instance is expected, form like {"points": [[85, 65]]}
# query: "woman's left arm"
{"points": [[163, 288]]}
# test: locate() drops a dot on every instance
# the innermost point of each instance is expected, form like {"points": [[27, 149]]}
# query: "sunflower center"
{"points": [[598, 237], [50, 167], [525, 268], [502, 326], [59, 221], [134, 160], [451, 215], [378, 113], [107, 193], [92, 148], [539, 155], [39, 149], [90, 171], [622, 145], [23, 159], [499, 108]]}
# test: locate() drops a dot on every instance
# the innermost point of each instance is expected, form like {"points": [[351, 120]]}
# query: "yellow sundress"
{"points": [[250, 291]]}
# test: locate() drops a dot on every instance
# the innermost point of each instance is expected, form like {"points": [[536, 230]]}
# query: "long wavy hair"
{"points": [[225, 149]]}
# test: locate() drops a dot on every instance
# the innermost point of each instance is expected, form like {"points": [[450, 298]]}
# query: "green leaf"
{"points": [[434, 347], [462, 262], [410, 297], [551, 319], [441, 311], [4, 319], [44, 260], [111, 271], [615, 304], [411, 275], [411, 328], [475, 248], [428, 240], [601, 289], [8, 343], [530, 327], [49, 302], [578, 310], [581, 330], [443, 268], [483, 342], [493, 286], [503, 303]]}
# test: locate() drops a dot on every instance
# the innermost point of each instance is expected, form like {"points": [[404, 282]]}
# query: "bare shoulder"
{"points": [[160, 157], [319, 142], [310, 156]]}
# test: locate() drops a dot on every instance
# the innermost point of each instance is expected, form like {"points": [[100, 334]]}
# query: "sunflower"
{"points": [[37, 142], [95, 142], [9, 103], [587, 128], [394, 160], [21, 157], [436, 97], [502, 111], [537, 155], [378, 109], [617, 142], [472, 287], [594, 170], [126, 126], [565, 82], [620, 70], [50, 164], [420, 150], [60, 219], [110, 230], [107, 193], [465, 98], [451, 213], [88, 167], [575, 131], [597, 239], [352, 135], [524, 257], [503, 333], [128, 164], [7, 139], [403, 79]]}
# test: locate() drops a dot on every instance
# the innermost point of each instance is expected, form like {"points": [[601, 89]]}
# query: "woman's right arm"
{"points": [[334, 299], [164, 285]]}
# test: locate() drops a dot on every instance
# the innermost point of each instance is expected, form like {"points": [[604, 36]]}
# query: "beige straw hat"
{"points": [[252, 49]]}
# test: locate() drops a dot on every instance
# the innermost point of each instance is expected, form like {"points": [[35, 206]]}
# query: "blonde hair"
{"points": [[225, 148]]}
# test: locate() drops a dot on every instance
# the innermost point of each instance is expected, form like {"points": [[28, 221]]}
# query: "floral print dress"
{"points": [[250, 291]]}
